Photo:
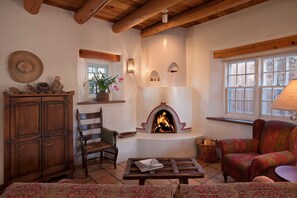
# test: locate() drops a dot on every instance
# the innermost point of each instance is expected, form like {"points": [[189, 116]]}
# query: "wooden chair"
{"points": [[94, 138]]}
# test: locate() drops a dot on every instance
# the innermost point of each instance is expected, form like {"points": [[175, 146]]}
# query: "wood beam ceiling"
{"points": [[194, 14], [32, 6], [148, 10], [89, 9]]}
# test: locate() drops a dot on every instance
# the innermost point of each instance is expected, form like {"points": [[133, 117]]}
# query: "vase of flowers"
{"points": [[102, 84]]}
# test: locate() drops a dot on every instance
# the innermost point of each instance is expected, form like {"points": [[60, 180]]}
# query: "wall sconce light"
{"points": [[131, 66], [165, 16]]}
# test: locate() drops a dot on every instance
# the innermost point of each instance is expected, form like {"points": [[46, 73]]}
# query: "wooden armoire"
{"points": [[38, 136]]}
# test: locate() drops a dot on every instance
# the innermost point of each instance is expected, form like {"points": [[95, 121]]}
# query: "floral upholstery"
{"points": [[239, 190], [273, 144], [64, 190], [262, 187]]}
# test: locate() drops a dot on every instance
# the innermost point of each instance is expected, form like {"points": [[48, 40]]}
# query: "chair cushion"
{"points": [[274, 136], [237, 165], [95, 147]]}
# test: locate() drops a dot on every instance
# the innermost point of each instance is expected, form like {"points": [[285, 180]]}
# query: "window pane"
{"points": [[280, 64], [240, 106], [239, 94], [249, 94], [280, 78], [292, 62], [276, 92], [277, 112], [241, 68], [231, 94], [232, 69], [268, 79], [250, 67], [241, 80], [249, 107], [268, 65], [266, 108], [231, 106], [232, 81], [291, 75], [250, 80], [266, 94]]}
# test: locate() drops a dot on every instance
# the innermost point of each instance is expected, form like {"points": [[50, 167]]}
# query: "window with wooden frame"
{"points": [[253, 84]]}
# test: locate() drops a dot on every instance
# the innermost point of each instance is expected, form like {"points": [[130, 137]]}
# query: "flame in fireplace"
{"points": [[163, 124]]}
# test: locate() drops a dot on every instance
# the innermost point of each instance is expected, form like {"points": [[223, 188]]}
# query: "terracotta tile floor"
{"points": [[104, 173]]}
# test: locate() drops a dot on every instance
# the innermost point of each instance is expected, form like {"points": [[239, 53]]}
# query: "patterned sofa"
{"points": [[223, 190], [274, 143]]}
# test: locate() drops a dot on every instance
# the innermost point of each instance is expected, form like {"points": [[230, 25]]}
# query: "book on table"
{"points": [[148, 164]]}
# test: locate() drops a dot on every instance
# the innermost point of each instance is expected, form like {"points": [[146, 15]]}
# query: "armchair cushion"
{"points": [[108, 136], [238, 164], [274, 136]]}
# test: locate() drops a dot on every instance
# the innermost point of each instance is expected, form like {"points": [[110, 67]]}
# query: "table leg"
{"points": [[183, 181], [141, 182]]}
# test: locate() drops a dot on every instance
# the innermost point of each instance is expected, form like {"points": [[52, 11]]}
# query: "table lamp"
{"points": [[287, 100]]}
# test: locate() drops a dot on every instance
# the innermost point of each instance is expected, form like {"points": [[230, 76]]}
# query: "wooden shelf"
{"points": [[96, 102], [238, 121]]}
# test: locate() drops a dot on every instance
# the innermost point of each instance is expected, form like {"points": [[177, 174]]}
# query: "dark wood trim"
{"points": [[99, 55], [238, 121], [96, 102], [289, 41]]}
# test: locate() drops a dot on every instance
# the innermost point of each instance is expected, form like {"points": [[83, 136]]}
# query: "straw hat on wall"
{"points": [[24, 67]]}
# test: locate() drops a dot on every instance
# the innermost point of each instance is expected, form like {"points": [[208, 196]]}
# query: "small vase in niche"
{"points": [[102, 96]]}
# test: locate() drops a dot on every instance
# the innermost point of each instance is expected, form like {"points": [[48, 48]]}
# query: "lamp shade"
{"points": [[287, 100]]}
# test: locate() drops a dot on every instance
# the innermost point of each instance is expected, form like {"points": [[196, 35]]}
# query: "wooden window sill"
{"points": [[96, 102], [238, 121]]}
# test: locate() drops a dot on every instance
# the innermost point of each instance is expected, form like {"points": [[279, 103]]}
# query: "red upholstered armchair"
{"points": [[274, 143]]}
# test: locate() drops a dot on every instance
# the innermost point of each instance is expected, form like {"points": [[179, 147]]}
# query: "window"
{"points": [[241, 80], [94, 68], [248, 95]]}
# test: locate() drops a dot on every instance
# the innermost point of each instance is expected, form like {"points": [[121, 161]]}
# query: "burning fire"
{"points": [[163, 124]]}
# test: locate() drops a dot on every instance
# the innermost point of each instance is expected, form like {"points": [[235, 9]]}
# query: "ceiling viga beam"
{"points": [[148, 10], [32, 6], [194, 14], [89, 9]]}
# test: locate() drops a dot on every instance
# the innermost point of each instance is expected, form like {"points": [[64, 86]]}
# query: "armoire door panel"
{"points": [[54, 115], [55, 154], [25, 117], [26, 159]]}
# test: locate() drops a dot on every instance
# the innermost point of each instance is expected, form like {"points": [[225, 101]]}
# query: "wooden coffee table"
{"points": [[174, 168]]}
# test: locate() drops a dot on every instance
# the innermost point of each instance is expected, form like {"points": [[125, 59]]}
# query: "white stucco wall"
{"points": [[269, 20], [56, 38]]}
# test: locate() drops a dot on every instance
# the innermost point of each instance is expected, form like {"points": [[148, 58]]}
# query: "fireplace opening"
{"points": [[163, 122]]}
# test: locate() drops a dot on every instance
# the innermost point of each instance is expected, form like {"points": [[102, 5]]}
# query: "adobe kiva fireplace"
{"points": [[163, 119]]}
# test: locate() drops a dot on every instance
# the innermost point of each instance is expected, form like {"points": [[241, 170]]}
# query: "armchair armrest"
{"points": [[238, 146], [109, 136], [263, 162]]}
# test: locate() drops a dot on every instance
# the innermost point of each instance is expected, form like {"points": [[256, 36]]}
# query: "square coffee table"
{"points": [[182, 168]]}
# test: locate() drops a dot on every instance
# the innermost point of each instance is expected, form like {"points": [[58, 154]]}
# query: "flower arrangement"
{"points": [[103, 83]]}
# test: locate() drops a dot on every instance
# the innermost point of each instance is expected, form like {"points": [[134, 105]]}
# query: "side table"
{"points": [[288, 173]]}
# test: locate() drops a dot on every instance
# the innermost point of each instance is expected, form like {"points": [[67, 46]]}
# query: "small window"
{"points": [[95, 68]]}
